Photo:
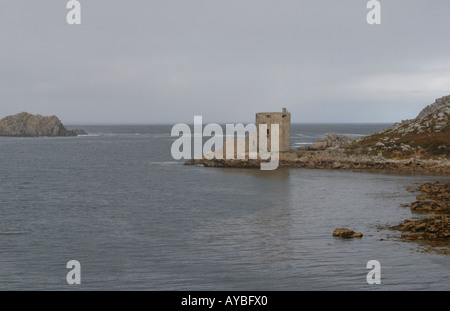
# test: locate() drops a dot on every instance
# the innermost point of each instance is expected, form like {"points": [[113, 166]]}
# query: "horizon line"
{"points": [[191, 123]]}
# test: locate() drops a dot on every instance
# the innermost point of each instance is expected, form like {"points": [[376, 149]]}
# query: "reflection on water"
{"points": [[280, 174]]}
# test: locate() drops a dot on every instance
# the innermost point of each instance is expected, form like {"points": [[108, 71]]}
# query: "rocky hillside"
{"points": [[28, 125], [426, 136]]}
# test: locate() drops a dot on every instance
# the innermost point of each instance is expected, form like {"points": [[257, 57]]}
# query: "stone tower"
{"points": [[283, 119]]}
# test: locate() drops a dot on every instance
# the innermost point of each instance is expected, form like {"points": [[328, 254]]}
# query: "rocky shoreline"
{"points": [[431, 228], [434, 199], [336, 159]]}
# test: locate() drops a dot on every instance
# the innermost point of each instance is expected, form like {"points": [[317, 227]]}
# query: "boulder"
{"points": [[346, 233]]}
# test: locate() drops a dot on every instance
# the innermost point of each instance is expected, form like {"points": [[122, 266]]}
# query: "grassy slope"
{"points": [[425, 145]]}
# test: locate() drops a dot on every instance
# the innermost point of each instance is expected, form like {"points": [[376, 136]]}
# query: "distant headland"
{"points": [[25, 124]]}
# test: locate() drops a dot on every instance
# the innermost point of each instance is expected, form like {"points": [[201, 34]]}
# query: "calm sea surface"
{"points": [[136, 219]]}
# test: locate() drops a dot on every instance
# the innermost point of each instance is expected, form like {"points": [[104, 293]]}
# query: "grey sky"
{"points": [[164, 61]]}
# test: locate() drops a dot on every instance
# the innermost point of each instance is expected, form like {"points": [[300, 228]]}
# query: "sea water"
{"points": [[135, 219]]}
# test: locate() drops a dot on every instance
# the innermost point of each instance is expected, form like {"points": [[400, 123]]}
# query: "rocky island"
{"points": [[27, 125], [419, 145]]}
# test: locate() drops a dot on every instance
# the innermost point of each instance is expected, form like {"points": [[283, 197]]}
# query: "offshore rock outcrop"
{"points": [[27, 125], [332, 141]]}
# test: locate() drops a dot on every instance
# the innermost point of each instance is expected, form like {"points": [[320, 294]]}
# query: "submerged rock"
{"points": [[27, 125], [346, 233]]}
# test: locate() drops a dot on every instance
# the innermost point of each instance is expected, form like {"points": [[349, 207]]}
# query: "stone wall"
{"points": [[283, 119]]}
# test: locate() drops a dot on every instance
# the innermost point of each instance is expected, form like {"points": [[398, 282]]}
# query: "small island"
{"points": [[27, 125]]}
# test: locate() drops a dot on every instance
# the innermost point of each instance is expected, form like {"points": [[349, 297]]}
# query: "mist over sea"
{"points": [[136, 219]]}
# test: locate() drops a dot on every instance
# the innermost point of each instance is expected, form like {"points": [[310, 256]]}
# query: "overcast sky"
{"points": [[164, 61]]}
